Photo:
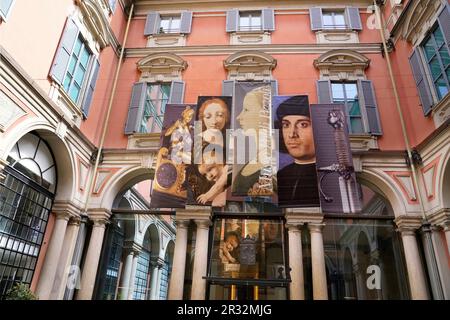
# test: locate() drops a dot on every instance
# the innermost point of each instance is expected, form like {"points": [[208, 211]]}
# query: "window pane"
{"points": [[77, 48], [429, 49], [244, 22], [248, 249], [441, 87], [337, 92], [439, 37], [435, 68], [356, 125], [72, 64], [74, 92], [165, 23], [445, 56], [256, 22], [351, 91], [339, 20], [176, 22], [84, 57], [79, 76], [327, 20]]}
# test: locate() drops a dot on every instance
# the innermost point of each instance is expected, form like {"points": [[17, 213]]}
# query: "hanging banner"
{"points": [[296, 176], [254, 172], [175, 154], [209, 176], [338, 189]]}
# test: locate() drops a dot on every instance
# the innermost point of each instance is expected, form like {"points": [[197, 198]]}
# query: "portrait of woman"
{"points": [[255, 177], [214, 113], [207, 180]]}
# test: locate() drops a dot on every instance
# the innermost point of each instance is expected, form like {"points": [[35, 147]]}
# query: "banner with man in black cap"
{"points": [[297, 175]]}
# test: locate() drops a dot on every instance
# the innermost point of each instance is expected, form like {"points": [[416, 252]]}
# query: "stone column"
{"points": [[176, 282], [416, 274], [125, 278], [89, 273], [360, 282], [319, 274], [64, 264], [47, 276], [432, 267], [132, 280], [200, 260], [156, 265], [297, 285]]}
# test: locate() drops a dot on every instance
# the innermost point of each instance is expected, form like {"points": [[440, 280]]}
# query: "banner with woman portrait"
{"points": [[208, 177], [174, 155], [254, 172]]}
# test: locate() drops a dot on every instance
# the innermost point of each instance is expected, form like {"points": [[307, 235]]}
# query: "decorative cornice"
{"points": [[161, 66], [250, 65], [195, 213], [440, 218], [97, 22], [211, 50], [300, 216], [342, 58]]}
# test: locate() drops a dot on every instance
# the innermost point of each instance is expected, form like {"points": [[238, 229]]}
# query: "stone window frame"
{"points": [[250, 66], [345, 65], [420, 19]]}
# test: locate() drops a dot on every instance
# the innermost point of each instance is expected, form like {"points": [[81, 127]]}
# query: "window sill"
{"points": [[166, 40], [441, 111], [140, 141], [250, 37], [363, 142], [337, 36]]}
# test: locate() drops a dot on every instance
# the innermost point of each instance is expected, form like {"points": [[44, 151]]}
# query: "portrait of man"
{"points": [[297, 176]]}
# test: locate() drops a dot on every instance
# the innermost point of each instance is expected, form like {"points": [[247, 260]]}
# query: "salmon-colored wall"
{"points": [[31, 33], [418, 126], [292, 29], [115, 137], [136, 38], [92, 127], [143, 188], [208, 31], [44, 247], [118, 22]]}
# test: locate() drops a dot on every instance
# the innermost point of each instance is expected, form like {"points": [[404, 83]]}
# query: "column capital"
{"points": [[75, 221], [157, 262], [294, 227], [407, 225], [99, 216], [65, 209], [182, 223], [440, 218], [203, 223], [316, 227], [131, 247]]}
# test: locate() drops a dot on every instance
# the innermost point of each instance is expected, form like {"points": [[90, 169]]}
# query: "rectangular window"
{"points": [[250, 21], [438, 60], [77, 70], [170, 24], [334, 20], [347, 93], [155, 105]]}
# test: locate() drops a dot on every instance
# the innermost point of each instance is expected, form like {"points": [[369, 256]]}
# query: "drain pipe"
{"points": [[426, 230], [108, 114]]}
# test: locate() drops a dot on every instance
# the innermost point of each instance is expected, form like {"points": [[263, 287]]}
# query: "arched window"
{"points": [[26, 198]]}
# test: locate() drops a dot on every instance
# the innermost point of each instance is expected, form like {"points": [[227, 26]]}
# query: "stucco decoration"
{"points": [[342, 64], [161, 67], [419, 19], [250, 65], [96, 21]]}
